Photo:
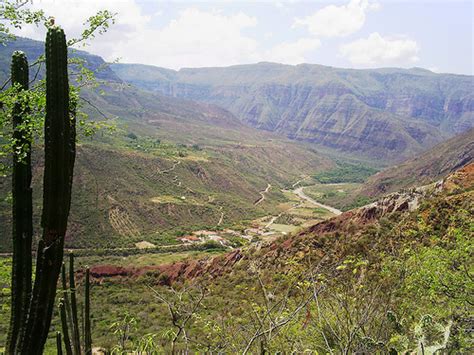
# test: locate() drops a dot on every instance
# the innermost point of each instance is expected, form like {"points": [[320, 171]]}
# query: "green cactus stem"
{"points": [[67, 304], [22, 206], [87, 316], [64, 326], [58, 343], [76, 340]]}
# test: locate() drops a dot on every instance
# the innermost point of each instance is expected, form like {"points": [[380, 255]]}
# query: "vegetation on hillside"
{"points": [[400, 283], [345, 172], [432, 165]]}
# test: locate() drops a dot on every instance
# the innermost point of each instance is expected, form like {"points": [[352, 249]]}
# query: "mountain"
{"points": [[434, 164], [386, 114], [169, 166]]}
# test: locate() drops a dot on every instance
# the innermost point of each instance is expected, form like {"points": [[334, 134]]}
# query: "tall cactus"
{"points": [[59, 162], [22, 206]]}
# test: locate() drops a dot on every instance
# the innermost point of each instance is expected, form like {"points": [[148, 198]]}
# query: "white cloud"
{"points": [[293, 52], [194, 38], [337, 21], [199, 38], [268, 35], [378, 50], [71, 15]]}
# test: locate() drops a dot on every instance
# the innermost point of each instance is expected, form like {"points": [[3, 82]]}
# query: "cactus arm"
{"points": [[67, 304], [76, 341], [87, 319], [21, 208], [57, 183], [58, 344], [64, 326]]}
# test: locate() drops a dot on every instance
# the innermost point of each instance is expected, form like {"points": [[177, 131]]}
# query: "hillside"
{"points": [[434, 164], [386, 114], [170, 166], [365, 280]]}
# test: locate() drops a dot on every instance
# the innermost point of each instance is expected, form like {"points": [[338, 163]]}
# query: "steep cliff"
{"points": [[381, 113]]}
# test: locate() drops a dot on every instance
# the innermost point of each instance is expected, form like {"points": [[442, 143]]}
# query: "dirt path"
{"points": [[262, 194], [301, 180], [176, 163], [299, 191], [273, 219], [221, 219]]}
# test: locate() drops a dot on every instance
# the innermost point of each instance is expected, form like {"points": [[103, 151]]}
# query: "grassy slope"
{"points": [[381, 258]]}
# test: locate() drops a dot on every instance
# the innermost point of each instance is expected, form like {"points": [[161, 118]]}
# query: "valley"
{"points": [[252, 208], [230, 277]]}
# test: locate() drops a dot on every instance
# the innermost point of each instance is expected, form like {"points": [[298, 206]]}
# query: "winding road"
{"points": [[262, 194], [175, 164], [299, 191]]}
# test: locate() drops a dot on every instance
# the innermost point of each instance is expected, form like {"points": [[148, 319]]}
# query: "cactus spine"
{"points": [[59, 162], [22, 206]]}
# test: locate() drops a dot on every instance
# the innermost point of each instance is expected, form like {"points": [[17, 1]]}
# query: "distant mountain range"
{"points": [[386, 114]]}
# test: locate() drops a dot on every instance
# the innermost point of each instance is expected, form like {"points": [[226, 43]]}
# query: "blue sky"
{"points": [[437, 35]]}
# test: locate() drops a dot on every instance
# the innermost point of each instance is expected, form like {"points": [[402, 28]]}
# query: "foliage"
{"points": [[345, 172], [13, 13]]}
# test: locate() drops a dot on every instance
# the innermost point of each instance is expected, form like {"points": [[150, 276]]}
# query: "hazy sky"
{"points": [[435, 34]]}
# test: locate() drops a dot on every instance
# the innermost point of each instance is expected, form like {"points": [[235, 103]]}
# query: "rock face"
{"points": [[382, 113]]}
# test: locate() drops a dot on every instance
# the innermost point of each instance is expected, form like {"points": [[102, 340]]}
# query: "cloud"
{"points": [[194, 38], [199, 38], [378, 50], [293, 52], [71, 15], [337, 21]]}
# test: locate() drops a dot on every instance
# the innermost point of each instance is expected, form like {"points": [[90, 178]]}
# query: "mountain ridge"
{"points": [[379, 113]]}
